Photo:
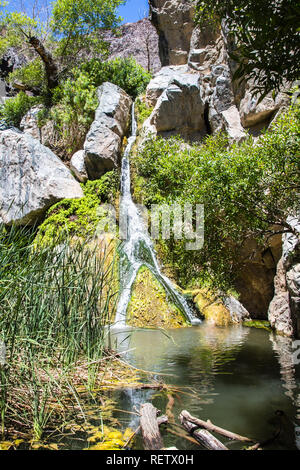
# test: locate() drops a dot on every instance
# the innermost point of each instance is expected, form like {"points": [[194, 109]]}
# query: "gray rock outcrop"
{"points": [[284, 309], [174, 23], [104, 139], [32, 178], [180, 106], [232, 106]]}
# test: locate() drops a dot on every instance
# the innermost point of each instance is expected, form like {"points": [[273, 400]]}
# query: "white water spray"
{"points": [[137, 249]]}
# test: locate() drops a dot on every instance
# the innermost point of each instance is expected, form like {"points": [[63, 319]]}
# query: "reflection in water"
{"points": [[234, 373], [284, 352]]}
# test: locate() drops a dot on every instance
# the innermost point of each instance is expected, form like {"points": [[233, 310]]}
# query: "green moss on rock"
{"points": [[211, 307], [265, 325], [149, 306], [79, 217]]}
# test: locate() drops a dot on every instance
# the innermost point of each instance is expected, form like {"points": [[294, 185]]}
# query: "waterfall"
{"points": [[137, 248]]}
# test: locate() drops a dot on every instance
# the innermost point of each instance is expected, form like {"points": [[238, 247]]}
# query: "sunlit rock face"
{"points": [[104, 139], [32, 178], [232, 106], [138, 40]]}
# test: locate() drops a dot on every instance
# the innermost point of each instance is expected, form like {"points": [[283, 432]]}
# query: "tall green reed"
{"points": [[55, 302]]}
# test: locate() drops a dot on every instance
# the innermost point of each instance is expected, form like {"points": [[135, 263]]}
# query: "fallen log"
{"points": [[204, 437], [209, 426], [150, 427]]}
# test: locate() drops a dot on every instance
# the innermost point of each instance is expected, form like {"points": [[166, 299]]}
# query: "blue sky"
{"points": [[134, 10]]}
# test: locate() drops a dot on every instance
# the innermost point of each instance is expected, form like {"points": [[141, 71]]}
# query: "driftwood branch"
{"points": [[209, 426], [150, 427], [204, 437]]}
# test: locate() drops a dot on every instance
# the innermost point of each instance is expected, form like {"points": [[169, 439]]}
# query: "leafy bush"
{"points": [[31, 75], [142, 109], [13, 110], [79, 216], [126, 73], [246, 190], [75, 111], [76, 100]]}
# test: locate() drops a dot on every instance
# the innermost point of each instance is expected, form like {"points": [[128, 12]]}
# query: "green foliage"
{"points": [[246, 190], [264, 32], [79, 217], [143, 110], [55, 301], [77, 24], [13, 110], [57, 41], [31, 75], [76, 99], [126, 73], [75, 111]]}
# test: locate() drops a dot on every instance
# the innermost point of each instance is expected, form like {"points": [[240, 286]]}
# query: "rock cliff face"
{"points": [[230, 107], [138, 40], [32, 179], [194, 94], [284, 310]]}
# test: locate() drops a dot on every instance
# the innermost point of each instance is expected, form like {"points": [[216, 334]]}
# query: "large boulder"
{"points": [[161, 80], [223, 114], [254, 112], [77, 166], [180, 107], [32, 178], [104, 139]]}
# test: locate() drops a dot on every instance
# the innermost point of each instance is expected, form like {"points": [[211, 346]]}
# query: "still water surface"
{"points": [[240, 377]]}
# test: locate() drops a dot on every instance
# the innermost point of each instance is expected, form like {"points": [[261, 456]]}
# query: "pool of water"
{"points": [[237, 377]]}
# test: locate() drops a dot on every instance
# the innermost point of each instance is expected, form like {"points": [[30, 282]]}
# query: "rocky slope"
{"points": [[138, 40]]}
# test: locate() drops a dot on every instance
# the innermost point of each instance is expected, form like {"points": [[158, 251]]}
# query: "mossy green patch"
{"points": [[149, 306], [265, 325], [211, 307], [143, 111], [80, 217]]}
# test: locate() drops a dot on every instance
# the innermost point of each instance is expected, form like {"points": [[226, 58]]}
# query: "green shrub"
{"points": [[31, 75], [143, 111], [75, 110], [126, 73], [79, 217], [246, 190], [13, 110]]}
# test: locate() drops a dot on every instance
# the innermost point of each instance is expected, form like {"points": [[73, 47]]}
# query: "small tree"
{"points": [[57, 38]]}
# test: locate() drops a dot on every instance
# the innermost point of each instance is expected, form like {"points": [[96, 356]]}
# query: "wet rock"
{"points": [[104, 139], [32, 178]]}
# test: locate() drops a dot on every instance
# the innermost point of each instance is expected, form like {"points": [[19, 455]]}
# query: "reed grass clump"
{"points": [[55, 301]]}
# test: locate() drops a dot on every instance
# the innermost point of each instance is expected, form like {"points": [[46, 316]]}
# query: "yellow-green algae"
{"points": [[211, 307], [149, 306]]}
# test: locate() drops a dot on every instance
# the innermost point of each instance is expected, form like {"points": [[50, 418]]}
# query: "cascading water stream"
{"points": [[137, 248]]}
